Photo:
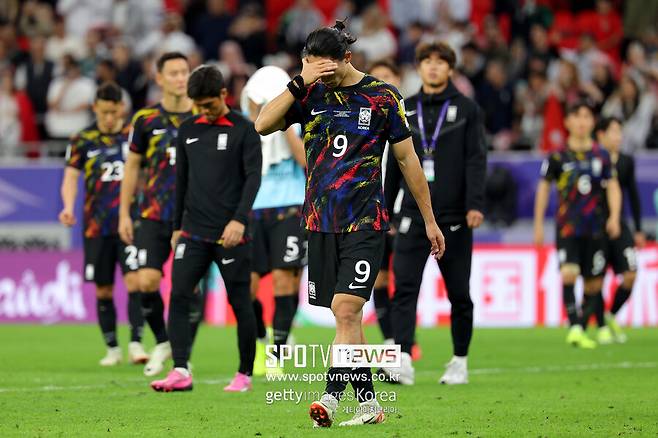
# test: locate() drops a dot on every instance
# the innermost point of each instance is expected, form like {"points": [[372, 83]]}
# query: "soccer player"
{"points": [[99, 152], [152, 141], [217, 178], [621, 254], [585, 179], [278, 239], [448, 138], [347, 117]]}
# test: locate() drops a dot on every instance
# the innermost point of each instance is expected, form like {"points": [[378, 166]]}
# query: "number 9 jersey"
{"points": [[345, 130], [100, 157]]}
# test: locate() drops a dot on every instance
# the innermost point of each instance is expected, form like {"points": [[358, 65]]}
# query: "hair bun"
{"points": [[340, 25]]}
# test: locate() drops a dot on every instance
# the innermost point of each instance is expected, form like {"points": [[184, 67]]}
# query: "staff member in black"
{"points": [[217, 178], [448, 137]]}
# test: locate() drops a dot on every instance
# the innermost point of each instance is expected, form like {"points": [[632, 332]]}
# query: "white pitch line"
{"points": [[477, 371]]}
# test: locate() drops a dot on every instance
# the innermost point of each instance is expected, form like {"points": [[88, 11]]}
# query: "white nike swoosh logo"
{"points": [[410, 113], [315, 112], [454, 228], [92, 154], [191, 140], [352, 286], [159, 131], [227, 261]]}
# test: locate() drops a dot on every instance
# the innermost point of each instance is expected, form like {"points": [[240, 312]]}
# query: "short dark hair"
{"points": [[576, 106], [604, 123], [439, 48], [386, 63], [205, 81], [332, 42], [109, 91], [168, 56]]}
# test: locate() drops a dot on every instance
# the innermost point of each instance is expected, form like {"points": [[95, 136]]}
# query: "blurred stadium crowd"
{"points": [[522, 60]]}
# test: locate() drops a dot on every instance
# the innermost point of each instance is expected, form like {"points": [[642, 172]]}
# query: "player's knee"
{"points": [[149, 281], [569, 273], [593, 286], [346, 313], [629, 279], [283, 282], [104, 292], [132, 282]]}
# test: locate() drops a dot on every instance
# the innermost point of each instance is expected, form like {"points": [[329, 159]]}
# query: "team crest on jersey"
{"points": [[222, 142], [365, 114]]}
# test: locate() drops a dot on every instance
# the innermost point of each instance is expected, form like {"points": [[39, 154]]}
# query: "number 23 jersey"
{"points": [[581, 179], [345, 130], [100, 158]]}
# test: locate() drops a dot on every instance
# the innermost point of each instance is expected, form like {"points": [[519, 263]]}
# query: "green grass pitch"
{"points": [[523, 383]]}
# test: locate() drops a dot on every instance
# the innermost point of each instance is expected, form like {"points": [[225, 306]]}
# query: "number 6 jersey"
{"points": [[100, 157], [345, 130], [581, 179]]}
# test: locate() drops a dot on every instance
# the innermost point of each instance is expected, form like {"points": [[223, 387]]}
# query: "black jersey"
{"points": [[218, 174]]}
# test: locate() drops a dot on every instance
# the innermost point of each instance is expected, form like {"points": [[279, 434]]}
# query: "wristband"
{"points": [[297, 88]]}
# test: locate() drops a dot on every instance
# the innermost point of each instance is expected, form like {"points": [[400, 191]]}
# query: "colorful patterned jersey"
{"points": [[153, 135], [101, 158], [345, 130], [581, 180]]}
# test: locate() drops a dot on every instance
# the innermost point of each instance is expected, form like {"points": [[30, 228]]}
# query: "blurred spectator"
{"points": [[13, 51], [61, 43], [170, 38], [211, 29], [602, 77], [83, 15], [530, 99], [34, 77], [376, 41], [540, 47], [136, 19], [496, 97], [300, 20], [17, 118], [586, 56], [69, 101], [405, 12], [130, 75], [636, 58], [195, 59], [9, 10], [106, 71], [10, 124], [409, 39], [640, 16], [493, 41], [36, 19], [472, 64], [248, 29], [605, 24], [635, 106], [231, 61], [96, 49]]}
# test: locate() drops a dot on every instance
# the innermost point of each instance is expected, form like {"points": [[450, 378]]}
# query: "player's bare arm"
{"points": [[413, 174], [128, 187], [541, 203], [614, 196], [272, 117], [69, 191]]}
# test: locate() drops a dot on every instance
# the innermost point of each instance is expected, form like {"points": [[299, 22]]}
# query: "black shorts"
{"points": [[621, 253], [192, 259], [153, 242], [586, 252], [388, 252], [279, 241], [343, 263], [102, 254]]}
